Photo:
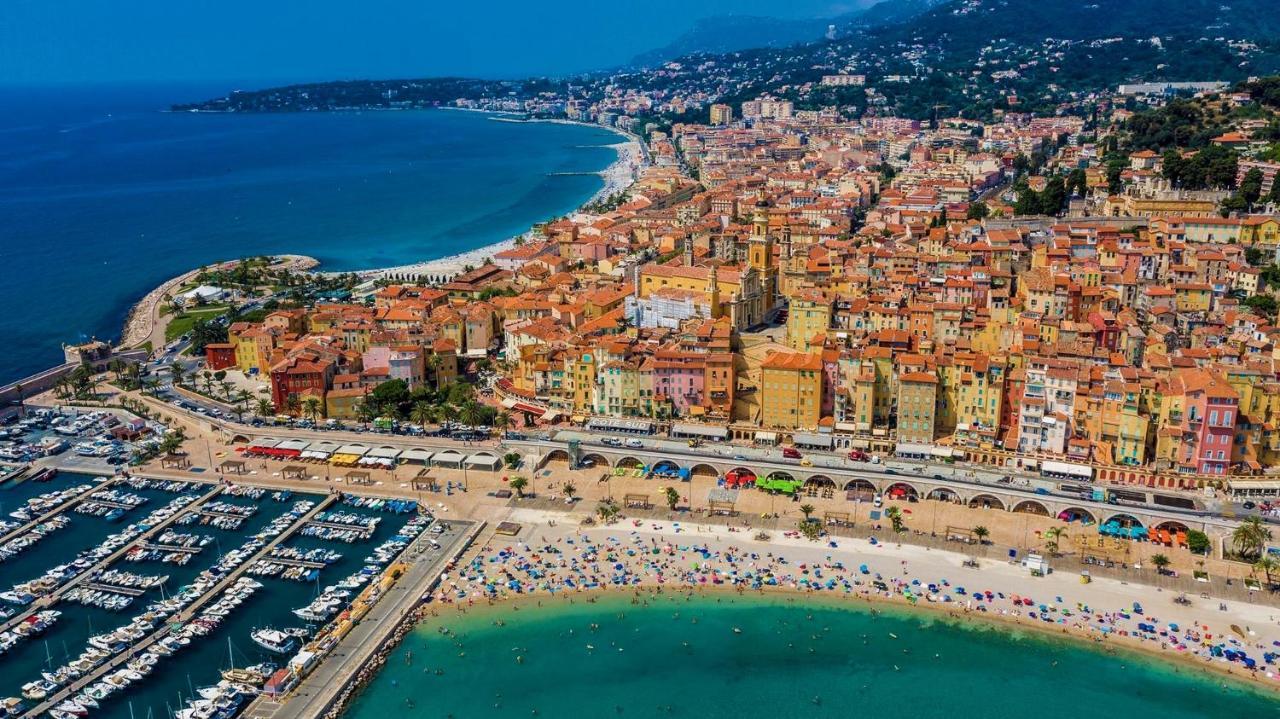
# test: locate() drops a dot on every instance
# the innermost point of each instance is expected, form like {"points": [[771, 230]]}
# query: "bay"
{"points": [[678, 657], [103, 196]]}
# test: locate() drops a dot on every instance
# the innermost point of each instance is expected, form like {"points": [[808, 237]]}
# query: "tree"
{"points": [[1052, 536], [807, 511], [1267, 564], [1262, 304], [422, 413], [1251, 186], [512, 459], [672, 496], [433, 364], [895, 519], [471, 413], [242, 400], [978, 211], [502, 421], [812, 531], [206, 332], [312, 407], [981, 533], [1160, 561], [1250, 538], [517, 485], [1198, 542], [264, 408], [569, 490], [608, 510], [292, 404]]}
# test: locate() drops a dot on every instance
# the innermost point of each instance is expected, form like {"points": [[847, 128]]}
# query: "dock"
{"points": [[324, 688], [295, 562], [362, 528], [171, 548], [115, 505], [180, 618], [225, 515], [53, 597], [65, 506], [115, 589]]}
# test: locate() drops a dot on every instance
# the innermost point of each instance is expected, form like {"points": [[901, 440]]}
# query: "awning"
{"points": [[298, 444], [809, 439], [767, 437], [323, 446], [341, 458], [613, 424], [846, 426], [383, 453], [941, 451], [700, 430], [914, 448], [1066, 468], [358, 450], [265, 443], [1251, 486], [416, 455], [314, 454], [448, 458], [483, 461]]}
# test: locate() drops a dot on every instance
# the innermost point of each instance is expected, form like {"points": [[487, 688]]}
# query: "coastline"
{"points": [[1102, 595], [618, 176], [142, 321]]}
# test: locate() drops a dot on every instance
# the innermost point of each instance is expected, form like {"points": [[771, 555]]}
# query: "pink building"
{"points": [[1209, 411]]}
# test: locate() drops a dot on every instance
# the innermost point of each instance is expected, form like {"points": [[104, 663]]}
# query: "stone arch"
{"points": [[702, 469], [943, 494], [820, 480], [1172, 525], [781, 474], [239, 439], [597, 459], [628, 463], [860, 486], [987, 501], [902, 490], [1124, 520], [556, 455], [1076, 514], [665, 465], [743, 472], [1031, 506]]}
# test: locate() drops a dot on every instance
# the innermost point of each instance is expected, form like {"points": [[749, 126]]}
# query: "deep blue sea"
{"points": [[103, 196]]}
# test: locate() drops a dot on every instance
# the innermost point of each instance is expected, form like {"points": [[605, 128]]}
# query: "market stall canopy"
{"points": [[298, 444], [448, 458], [483, 460], [358, 450], [1066, 468], [810, 439], [417, 454]]}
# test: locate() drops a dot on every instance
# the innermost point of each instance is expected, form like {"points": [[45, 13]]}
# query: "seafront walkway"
{"points": [[327, 683], [185, 615], [86, 576]]}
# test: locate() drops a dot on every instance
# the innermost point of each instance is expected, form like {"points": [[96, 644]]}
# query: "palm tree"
{"points": [[471, 413], [433, 364], [207, 376], [607, 510], [502, 421], [569, 491], [1250, 537], [517, 485], [1267, 564], [981, 533], [421, 413], [242, 400], [1160, 561], [895, 518], [292, 404], [806, 510], [226, 388], [1052, 536], [264, 408], [448, 412], [366, 412], [672, 495], [312, 407]]}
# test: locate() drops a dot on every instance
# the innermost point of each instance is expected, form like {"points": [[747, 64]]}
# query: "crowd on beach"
{"points": [[571, 564]]}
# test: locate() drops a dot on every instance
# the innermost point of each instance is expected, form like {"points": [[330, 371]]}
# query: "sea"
{"points": [[725, 656], [103, 196]]}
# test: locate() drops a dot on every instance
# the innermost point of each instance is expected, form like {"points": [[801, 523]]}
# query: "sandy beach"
{"points": [[556, 560]]}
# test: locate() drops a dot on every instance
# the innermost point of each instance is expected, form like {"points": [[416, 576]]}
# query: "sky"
{"points": [[107, 41]]}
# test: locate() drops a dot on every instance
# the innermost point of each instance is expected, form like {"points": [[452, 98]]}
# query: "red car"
{"points": [[858, 455], [791, 453]]}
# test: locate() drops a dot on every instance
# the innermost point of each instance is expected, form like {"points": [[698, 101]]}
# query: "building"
{"points": [[219, 356], [917, 407], [791, 390], [721, 114]]}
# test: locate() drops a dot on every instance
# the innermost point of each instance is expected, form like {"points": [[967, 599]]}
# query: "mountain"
{"points": [[732, 33]]}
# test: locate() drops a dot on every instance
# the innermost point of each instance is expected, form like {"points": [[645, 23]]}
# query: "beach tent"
{"points": [[483, 460]]}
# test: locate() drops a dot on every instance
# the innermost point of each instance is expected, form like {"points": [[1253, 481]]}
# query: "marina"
{"points": [[144, 620]]}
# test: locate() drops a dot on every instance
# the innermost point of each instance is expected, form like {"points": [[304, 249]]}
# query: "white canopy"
{"points": [[358, 450]]}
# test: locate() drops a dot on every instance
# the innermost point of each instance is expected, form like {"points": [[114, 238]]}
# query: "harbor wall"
{"points": [[48, 379]]}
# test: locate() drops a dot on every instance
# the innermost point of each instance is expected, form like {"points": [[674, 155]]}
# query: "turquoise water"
{"points": [[682, 658], [102, 197]]}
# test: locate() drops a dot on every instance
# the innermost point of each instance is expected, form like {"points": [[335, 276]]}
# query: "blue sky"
{"points": [[92, 41]]}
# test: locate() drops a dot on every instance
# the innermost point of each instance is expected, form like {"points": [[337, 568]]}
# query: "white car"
{"points": [[634, 443]]}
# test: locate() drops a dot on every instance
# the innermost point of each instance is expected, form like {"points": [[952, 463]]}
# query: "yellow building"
{"points": [[791, 390], [809, 315], [917, 406], [1192, 296]]}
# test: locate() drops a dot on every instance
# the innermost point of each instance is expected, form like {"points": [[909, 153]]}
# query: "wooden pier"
{"points": [[362, 528], [304, 563], [172, 548], [116, 589]]}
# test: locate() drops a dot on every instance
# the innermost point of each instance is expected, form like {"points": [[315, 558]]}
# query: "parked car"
{"points": [[635, 443], [791, 453], [858, 455], [611, 441]]}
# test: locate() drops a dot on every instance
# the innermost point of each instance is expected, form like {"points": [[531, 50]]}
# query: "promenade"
{"points": [[331, 681]]}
